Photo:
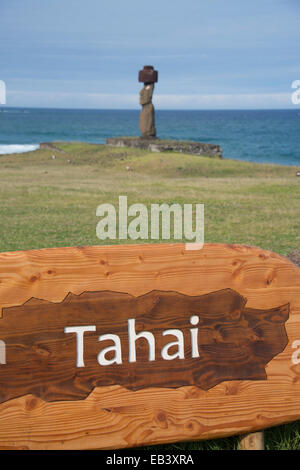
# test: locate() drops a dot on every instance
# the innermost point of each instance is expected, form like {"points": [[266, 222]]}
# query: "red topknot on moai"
{"points": [[148, 76]]}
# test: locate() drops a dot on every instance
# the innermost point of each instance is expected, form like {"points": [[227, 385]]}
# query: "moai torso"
{"points": [[147, 119]]}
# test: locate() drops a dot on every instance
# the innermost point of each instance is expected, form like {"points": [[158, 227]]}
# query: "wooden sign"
{"points": [[120, 346]]}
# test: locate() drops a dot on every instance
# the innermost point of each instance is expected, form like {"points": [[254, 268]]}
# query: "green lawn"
{"points": [[47, 202]]}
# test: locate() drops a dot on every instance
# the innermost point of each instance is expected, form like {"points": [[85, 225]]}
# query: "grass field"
{"points": [[47, 202]]}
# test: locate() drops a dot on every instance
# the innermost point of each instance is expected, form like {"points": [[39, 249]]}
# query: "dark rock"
{"points": [[50, 146], [294, 256]]}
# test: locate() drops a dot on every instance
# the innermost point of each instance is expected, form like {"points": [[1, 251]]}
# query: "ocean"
{"points": [[271, 136]]}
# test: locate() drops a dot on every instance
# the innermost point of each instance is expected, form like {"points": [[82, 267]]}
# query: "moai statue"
{"points": [[148, 76]]}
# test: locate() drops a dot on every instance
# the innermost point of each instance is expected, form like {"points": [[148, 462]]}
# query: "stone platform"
{"points": [[158, 145]]}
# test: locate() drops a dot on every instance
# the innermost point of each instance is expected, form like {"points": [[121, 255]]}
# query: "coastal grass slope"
{"points": [[49, 199]]}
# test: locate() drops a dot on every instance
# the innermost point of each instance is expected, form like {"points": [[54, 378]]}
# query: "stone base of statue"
{"points": [[157, 145]]}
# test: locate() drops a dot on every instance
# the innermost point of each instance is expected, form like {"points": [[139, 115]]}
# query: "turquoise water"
{"points": [[258, 136]]}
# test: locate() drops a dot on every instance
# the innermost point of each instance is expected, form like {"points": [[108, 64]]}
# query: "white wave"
{"points": [[17, 148]]}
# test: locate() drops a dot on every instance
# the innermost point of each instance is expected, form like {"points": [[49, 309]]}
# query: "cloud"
{"points": [[161, 101], [224, 101], [216, 48]]}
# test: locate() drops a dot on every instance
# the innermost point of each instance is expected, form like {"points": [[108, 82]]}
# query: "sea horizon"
{"points": [[255, 135], [156, 108]]}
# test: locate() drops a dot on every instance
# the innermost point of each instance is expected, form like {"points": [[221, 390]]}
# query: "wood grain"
{"points": [[113, 416], [233, 342]]}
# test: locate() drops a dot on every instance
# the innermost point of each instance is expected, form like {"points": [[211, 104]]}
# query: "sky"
{"points": [[210, 54]]}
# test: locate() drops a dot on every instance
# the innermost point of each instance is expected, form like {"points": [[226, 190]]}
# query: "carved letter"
{"points": [[132, 337], [79, 330]]}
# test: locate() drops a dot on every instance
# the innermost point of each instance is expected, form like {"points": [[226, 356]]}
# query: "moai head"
{"points": [[148, 76]]}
